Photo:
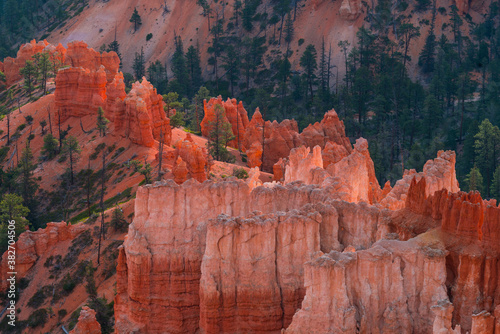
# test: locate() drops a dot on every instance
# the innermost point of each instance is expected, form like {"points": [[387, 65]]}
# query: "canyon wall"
{"points": [[159, 266]]}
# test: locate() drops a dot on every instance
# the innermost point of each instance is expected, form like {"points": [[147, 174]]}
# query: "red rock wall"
{"points": [[144, 119], [235, 114], [32, 244], [195, 157], [160, 266], [79, 92], [378, 290], [252, 272]]}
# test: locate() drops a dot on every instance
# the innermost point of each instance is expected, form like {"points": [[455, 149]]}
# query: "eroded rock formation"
{"points": [[234, 114], [439, 174], [32, 244], [144, 120], [377, 290], [195, 157], [252, 271], [87, 323]]}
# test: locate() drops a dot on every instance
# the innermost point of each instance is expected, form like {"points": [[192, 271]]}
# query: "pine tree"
{"points": [[146, 172], [44, 69], [12, 209], [487, 149], [50, 146], [27, 183], [136, 19], [194, 69], [231, 63], [495, 185], [30, 73], [289, 31], [309, 64], [219, 136], [115, 46], [179, 70], [426, 58], [102, 122], [157, 75], [71, 149], [474, 180], [138, 66]]}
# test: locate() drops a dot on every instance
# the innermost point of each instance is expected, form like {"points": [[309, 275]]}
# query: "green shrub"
{"points": [[38, 318], [39, 297], [301, 41], [240, 173], [149, 36]]}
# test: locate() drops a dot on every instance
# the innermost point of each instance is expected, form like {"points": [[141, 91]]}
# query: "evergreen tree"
{"points": [[118, 222], [27, 184], [202, 94], [474, 180], [115, 46], [179, 70], [138, 66], [194, 69], [495, 185], [171, 102], [102, 122], [50, 146], [44, 69], [146, 172], [309, 64], [136, 19], [157, 75], [219, 136], [71, 149], [426, 58], [12, 209], [231, 63], [289, 31], [30, 73], [487, 149]]}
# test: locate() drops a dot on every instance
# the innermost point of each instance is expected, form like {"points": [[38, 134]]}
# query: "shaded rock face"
{"points": [[471, 232], [87, 323], [159, 266], [252, 271], [341, 289], [235, 114], [32, 244]]}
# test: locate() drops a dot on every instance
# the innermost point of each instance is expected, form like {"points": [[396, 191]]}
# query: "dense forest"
{"points": [[452, 103]]}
